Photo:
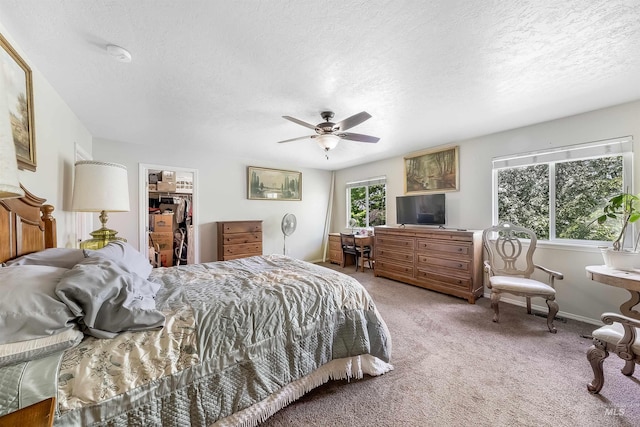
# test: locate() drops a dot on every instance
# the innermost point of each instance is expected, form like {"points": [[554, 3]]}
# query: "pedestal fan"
{"points": [[288, 225]]}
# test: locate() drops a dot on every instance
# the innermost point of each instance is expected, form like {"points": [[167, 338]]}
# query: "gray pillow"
{"points": [[23, 351], [109, 300], [29, 308], [125, 255], [54, 257]]}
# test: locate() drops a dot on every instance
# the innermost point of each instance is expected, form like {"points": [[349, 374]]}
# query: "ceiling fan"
{"points": [[328, 134]]}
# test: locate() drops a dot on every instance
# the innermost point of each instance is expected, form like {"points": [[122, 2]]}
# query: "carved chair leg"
{"points": [[596, 355], [495, 299], [553, 310], [629, 367], [528, 305]]}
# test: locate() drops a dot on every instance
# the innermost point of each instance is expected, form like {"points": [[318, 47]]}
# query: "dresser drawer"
{"points": [[394, 242], [335, 245], [240, 238], [391, 255], [444, 248], [382, 266], [247, 249], [241, 227], [445, 280], [463, 265]]}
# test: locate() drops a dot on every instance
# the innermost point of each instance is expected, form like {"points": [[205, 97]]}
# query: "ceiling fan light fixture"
{"points": [[327, 142]]}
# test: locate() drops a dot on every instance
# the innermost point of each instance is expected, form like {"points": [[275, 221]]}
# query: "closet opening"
{"points": [[168, 216]]}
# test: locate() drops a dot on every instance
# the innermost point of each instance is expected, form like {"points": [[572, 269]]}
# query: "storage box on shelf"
{"points": [[166, 187], [168, 176], [162, 223], [448, 261]]}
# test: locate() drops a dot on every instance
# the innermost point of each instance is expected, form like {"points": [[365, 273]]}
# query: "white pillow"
{"points": [[24, 351], [125, 256], [54, 257], [29, 307]]}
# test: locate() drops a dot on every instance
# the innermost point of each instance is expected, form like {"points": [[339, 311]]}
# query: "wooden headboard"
{"points": [[26, 225]]}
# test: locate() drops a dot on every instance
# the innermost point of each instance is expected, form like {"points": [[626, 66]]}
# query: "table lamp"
{"points": [[100, 187], [9, 183]]}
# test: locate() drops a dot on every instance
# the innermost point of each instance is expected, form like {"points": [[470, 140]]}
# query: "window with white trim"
{"points": [[367, 202], [558, 193]]}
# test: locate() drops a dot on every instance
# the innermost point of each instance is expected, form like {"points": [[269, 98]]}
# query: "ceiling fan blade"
{"points": [[358, 137], [296, 139], [352, 121], [300, 122]]}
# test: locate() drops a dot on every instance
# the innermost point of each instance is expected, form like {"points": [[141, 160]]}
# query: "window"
{"points": [[558, 193], [367, 202]]}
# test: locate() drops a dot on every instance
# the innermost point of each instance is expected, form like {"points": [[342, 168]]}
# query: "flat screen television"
{"points": [[423, 209]]}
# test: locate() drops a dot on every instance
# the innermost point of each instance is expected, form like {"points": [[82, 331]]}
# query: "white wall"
{"points": [[223, 187], [471, 207], [57, 129], [222, 195]]}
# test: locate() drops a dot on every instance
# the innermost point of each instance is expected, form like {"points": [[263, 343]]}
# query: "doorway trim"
{"points": [[143, 205]]}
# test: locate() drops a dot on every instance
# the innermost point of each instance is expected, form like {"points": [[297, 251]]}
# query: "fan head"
{"points": [[289, 223]]}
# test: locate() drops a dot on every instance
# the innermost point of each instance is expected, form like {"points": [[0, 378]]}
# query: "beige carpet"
{"points": [[455, 367]]}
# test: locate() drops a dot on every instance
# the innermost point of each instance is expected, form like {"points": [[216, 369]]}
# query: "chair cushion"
{"points": [[520, 284], [613, 333]]}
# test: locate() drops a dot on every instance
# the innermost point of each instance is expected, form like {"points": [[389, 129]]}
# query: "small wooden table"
{"points": [[629, 280]]}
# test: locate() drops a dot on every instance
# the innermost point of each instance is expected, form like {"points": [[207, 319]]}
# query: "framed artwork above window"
{"points": [[432, 171]]}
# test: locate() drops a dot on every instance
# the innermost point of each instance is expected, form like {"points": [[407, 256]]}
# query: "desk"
{"points": [[629, 280]]}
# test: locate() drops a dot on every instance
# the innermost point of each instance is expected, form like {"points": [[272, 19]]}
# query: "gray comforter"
{"points": [[236, 333]]}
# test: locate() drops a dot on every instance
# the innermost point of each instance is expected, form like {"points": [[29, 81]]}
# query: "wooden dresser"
{"points": [[335, 248], [448, 261], [239, 239]]}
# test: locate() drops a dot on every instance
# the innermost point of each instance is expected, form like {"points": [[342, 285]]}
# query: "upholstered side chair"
{"points": [[620, 336], [509, 268]]}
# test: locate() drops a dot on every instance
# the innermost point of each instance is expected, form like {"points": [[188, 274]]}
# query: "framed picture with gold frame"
{"points": [[16, 82], [273, 184], [432, 171]]}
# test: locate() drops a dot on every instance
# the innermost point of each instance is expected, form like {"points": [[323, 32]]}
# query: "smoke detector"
{"points": [[119, 53]]}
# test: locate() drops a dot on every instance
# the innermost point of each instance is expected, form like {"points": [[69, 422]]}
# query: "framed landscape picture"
{"points": [[15, 76], [273, 184], [432, 171]]}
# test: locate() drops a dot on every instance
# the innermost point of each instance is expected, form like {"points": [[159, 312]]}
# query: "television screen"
{"points": [[424, 209]]}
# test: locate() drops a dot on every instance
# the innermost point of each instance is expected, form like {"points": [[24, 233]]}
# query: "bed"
{"points": [[220, 343]]}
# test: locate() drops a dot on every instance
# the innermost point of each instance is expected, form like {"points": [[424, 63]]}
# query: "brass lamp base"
{"points": [[100, 239], [102, 236]]}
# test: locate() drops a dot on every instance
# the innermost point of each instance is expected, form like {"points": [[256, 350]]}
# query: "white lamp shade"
{"points": [[9, 182], [327, 142], [100, 186]]}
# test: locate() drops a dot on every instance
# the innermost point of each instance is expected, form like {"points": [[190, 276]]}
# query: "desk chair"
{"points": [[349, 247]]}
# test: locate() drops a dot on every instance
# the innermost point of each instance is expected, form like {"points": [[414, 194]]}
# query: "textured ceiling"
{"points": [[217, 76]]}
